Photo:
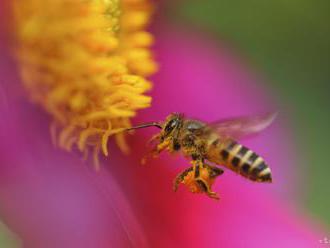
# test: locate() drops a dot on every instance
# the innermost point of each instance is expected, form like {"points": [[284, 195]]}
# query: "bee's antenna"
{"points": [[151, 124]]}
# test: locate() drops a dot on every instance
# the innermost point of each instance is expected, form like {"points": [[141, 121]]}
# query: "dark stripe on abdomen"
{"points": [[227, 150], [245, 162]]}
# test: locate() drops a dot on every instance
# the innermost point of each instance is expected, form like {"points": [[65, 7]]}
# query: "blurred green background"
{"points": [[7, 238], [288, 41]]}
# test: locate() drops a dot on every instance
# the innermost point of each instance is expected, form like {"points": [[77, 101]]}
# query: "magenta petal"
{"points": [[52, 199], [49, 197], [205, 82], [242, 218]]}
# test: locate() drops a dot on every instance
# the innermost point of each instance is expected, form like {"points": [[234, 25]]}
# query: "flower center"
{"points": [[86, 63]]}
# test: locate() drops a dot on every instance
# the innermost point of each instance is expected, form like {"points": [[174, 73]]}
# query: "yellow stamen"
{"points": [[86, 63], [96, 159]]}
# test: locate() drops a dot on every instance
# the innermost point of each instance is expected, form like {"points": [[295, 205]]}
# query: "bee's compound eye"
{"points": [[171, 125]]}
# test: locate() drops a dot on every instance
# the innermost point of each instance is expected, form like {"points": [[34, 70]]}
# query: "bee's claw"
{"points": [[175, 186], [176, 183], [213, 195]]}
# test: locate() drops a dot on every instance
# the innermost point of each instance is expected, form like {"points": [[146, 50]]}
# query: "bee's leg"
{"points": [[153, 153], [213, 171], [153, 138], [205, 185], [156, 151], [179, 178], [206, 188], [197, 164]]}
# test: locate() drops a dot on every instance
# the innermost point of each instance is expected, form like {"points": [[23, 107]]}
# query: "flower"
{"points": [[51, 199], [86, 63]]}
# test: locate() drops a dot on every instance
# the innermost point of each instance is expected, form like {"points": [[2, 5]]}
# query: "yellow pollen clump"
{"points": [[86, 62]]}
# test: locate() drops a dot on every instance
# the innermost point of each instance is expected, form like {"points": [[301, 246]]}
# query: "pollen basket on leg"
{"points": [[85, 63]]}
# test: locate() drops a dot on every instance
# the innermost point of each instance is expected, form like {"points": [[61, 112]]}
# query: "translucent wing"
{"points": [[240, 127]]}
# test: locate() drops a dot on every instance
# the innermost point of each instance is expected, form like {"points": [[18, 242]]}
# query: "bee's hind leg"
{"points": [[214, 171], [205, 179], [180, 177], [203, 176], [207, 189]]}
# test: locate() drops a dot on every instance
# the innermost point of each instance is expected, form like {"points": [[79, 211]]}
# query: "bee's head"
{"points": [[172, 123]]}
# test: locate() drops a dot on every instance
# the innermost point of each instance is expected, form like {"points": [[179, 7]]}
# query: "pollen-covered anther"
{"points": [[141, 39], [86, 63], [98, 42]]}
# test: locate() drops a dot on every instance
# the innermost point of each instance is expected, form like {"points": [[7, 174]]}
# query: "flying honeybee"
{"points": [[211, 142]]}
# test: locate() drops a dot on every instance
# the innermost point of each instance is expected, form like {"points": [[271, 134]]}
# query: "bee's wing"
{"points": [[240, 127]]}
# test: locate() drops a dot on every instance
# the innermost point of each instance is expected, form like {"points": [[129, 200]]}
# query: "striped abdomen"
{"points": [[244, 161]]}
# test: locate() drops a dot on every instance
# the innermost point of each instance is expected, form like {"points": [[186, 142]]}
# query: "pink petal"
{"points": [[52, 199], [49, 197], [202, 81]]}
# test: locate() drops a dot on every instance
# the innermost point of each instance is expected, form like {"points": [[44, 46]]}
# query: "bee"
{"points": [[215, 143]]}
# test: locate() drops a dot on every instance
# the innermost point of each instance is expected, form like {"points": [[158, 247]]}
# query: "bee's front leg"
{"points": [[153, 139], [156, 150]]}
